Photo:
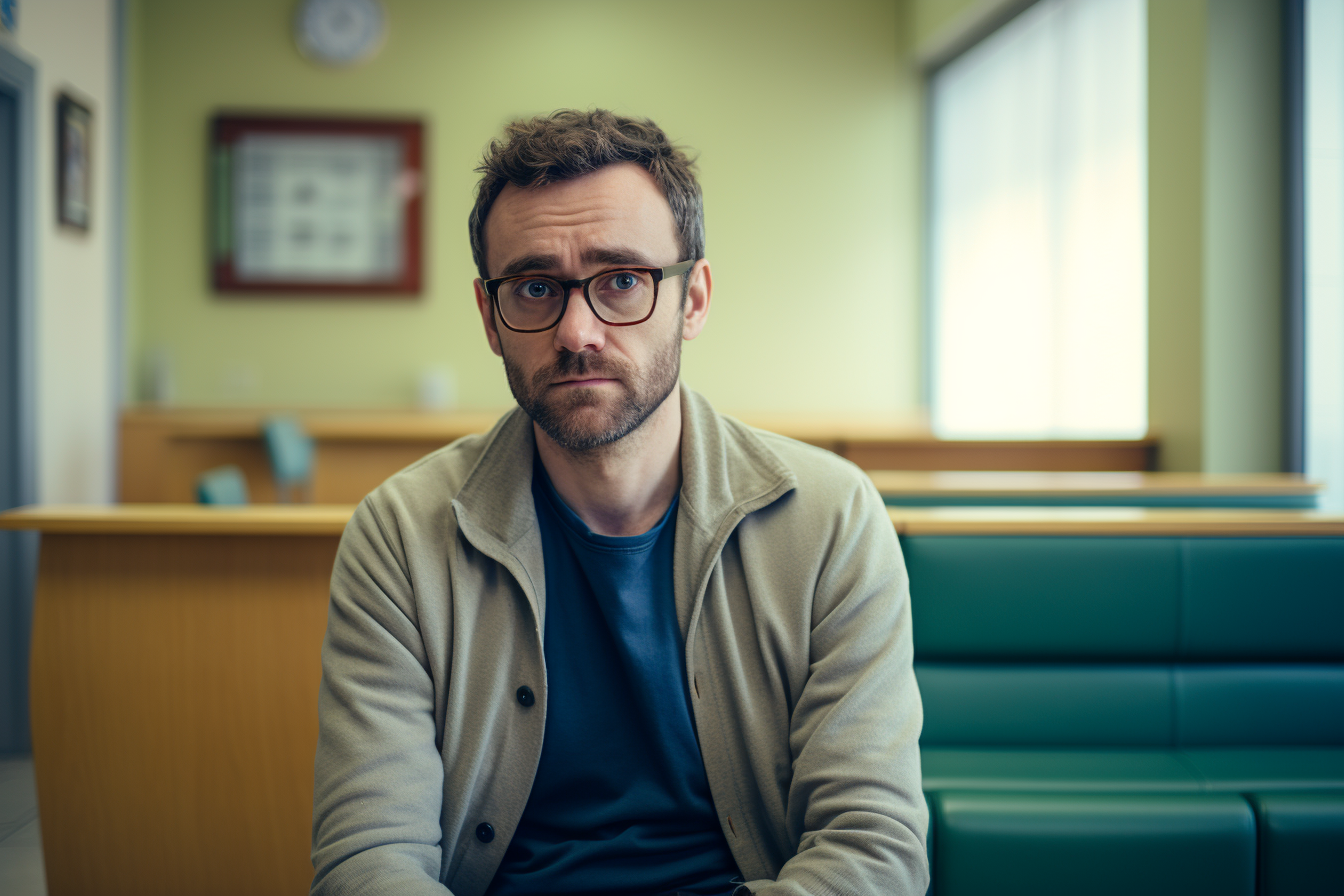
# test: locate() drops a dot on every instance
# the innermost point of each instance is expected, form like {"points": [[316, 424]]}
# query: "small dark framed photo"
{"points": [[74, 164]]}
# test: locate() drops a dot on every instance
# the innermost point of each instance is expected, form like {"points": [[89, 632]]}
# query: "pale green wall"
{"points": [[1243, 269], [1215, 275], [930, 20], [940, 29], [1176, 94], [805, 116]]}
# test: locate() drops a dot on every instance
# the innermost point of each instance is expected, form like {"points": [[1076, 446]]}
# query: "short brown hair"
{"points": [[568, 144]]}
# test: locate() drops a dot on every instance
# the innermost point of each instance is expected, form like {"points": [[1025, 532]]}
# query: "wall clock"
{"points": [[339, 32]]}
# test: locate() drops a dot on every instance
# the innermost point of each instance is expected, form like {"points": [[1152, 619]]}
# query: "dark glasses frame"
{"points": [[568, 286]]}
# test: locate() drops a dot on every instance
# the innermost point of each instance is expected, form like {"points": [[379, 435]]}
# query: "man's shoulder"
{"points": [[817, 471], [434, 481]]}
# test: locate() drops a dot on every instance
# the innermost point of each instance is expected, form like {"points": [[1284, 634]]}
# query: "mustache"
{"points": [[581, 364]]}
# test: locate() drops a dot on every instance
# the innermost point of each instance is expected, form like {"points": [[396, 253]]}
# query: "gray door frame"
{"points": [[18, 78]]}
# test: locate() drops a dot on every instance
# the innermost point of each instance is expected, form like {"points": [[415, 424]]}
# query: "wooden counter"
{"points": [[163, 451], [1119, 489], [175, 665]]}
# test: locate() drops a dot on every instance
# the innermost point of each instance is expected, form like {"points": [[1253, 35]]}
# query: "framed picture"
{"points": [[74, 134], [321, 206]]}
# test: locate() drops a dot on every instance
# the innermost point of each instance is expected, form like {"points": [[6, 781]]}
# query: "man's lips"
{"points": [[585, 381]]}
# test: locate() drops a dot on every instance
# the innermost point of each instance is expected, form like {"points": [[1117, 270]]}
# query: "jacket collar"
{"points": [[725, 465], [727, 471], [496, 498]]}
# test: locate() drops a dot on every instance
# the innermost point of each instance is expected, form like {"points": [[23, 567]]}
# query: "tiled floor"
{"points": [[21, 872]]}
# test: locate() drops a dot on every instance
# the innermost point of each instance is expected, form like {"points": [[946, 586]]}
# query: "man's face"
{"points": [[585, 383]]}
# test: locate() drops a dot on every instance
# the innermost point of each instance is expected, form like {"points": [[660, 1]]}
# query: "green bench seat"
{"points": [[1094, 843], [1301, 847], [1131, 714]]}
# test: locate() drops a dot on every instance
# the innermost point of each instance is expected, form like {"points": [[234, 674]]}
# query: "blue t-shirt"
{"points": [[620, 804]]}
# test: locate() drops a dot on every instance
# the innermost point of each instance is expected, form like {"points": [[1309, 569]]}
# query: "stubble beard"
{"points": [[561, 413]]}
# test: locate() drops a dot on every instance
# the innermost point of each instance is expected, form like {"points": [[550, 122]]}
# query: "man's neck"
{"points": [[623, 488]]}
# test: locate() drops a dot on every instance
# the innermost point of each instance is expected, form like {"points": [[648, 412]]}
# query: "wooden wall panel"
{"points": [[164, 451], [174, 707]]}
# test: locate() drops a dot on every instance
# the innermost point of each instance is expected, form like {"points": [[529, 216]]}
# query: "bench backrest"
{"points": [[1129, 641]]}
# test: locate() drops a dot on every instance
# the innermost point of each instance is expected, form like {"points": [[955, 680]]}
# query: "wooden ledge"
{"points": [[1112, 521], [318, 519], [993, 484], [181, 519], [325, 425]]}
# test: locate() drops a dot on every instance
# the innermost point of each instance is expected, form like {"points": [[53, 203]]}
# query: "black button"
{"points": [[525, 696], [484, 832]]}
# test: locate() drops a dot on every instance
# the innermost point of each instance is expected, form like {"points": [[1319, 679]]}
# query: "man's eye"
{"points": [[535, 289], [624, 280]]}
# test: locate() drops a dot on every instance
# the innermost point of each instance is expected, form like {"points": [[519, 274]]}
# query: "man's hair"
{"points": [[568, 144]]}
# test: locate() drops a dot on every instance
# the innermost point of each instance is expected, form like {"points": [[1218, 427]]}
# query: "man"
{"points": [[619, 644]]}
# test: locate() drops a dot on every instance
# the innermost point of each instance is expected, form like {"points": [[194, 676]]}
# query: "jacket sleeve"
{"points": [[856, 795], [378, 776]]}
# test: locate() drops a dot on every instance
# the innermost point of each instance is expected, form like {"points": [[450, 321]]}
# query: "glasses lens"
{"points": [[622, 296], [530, 303]]}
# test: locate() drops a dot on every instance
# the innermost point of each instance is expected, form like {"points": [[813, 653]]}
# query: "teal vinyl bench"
{"points": [[966, 488], [1130, 701]]}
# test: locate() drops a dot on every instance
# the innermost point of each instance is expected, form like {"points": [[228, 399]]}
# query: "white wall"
{"points": [[72, 44]]}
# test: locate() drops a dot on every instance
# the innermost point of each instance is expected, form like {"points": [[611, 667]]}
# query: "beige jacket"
{"points": [[794, 605]]}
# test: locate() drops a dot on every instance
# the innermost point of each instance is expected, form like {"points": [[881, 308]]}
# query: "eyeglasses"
{"points": [[619, 298]]}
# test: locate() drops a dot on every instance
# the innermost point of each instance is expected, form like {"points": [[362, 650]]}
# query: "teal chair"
{"points": [[222, 485], [290, 449]]}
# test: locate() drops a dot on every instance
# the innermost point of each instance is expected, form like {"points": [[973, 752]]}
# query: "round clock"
{"points": [[339, 32]]}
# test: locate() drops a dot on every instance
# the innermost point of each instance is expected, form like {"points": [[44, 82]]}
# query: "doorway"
{"points": [[18, 550]]}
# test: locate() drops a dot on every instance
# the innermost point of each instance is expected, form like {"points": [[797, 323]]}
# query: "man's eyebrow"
{"points": [[603, 256], [617, 256], [530, 263]]}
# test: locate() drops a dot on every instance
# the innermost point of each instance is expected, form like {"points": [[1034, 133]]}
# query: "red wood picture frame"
{"points": [[228, 130]]}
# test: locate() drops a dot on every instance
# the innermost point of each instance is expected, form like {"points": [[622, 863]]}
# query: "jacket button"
{"points": [[484, 832], [525, 696]]}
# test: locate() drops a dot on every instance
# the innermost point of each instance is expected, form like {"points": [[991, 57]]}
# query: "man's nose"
{"points": [[579, 329]]}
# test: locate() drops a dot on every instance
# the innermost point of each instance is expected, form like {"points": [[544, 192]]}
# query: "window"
{"points": [[1324, 280], [1038, 263]]}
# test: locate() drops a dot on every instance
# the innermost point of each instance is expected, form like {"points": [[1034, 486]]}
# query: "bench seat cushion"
{"points": [[955, 768], [1301, 842], [1102, 843], [1224, 769], [1244, 769]]}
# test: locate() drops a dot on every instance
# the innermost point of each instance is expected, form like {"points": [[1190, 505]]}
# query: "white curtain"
{"points": [[1325, 248], [1038, 262]]}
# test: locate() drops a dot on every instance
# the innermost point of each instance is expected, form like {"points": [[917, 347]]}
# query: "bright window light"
{"points": [[1038, 261], [1324, 257]]}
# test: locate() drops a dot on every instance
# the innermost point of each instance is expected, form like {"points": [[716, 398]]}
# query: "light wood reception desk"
{"points": [[175, 665], [164, 450]]}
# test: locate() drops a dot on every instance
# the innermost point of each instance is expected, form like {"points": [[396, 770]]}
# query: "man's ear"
{"points": [[698, 291], [487, 309]]}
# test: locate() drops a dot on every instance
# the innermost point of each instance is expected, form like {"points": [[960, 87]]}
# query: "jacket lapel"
{"points": [[727, 472], [495, 512]]}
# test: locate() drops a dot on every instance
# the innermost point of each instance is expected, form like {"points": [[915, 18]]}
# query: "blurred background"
{"points": [[842, 246], [1063, 220]]}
